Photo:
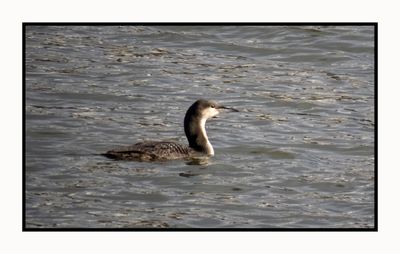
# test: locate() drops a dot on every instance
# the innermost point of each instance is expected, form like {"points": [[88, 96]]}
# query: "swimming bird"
{"points": [[194, 125]]}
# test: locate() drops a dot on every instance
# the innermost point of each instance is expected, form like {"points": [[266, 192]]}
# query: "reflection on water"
{"points": [[298, 154]]}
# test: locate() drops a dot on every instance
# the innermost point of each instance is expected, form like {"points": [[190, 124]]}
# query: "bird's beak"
{"points": [[229, 108]]}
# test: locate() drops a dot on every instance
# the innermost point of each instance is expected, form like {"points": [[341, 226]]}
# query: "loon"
{"points": [[194, 124]]}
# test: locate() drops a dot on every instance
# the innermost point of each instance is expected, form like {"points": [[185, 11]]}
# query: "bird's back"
{"points": [[150, 151]]}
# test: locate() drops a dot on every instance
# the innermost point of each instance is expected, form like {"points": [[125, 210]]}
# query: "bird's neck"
{"points": [[195, 130]]}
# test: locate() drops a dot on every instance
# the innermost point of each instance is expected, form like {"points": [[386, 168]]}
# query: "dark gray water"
{"points": [[299, 154]]}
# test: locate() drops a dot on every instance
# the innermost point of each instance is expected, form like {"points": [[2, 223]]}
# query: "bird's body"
{"points": [[194, 124], [152, 150]]}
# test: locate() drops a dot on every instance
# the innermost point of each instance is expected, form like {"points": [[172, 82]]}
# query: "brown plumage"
{"points": [[151, 150]]}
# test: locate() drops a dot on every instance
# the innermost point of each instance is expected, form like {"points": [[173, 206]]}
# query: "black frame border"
{"points": [[74, 229]]}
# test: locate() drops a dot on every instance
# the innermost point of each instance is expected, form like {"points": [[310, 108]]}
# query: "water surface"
{"points": [[299, 154]]}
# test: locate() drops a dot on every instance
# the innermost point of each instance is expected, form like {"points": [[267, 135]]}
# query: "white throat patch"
{"points": [[210, 149]]}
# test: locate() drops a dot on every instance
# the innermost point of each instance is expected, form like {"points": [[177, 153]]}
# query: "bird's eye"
{"points": [[212, 105]]}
